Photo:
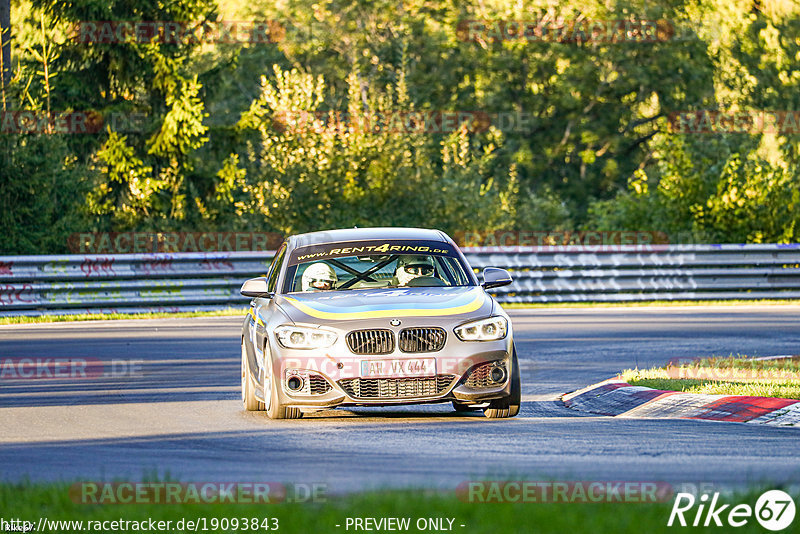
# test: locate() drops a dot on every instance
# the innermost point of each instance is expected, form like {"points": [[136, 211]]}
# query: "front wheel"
{"points": [[275, 410], [509, 406], [249, 400]]}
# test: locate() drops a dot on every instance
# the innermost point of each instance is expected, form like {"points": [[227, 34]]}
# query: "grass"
{"points": [[112, 316], [759, 378], [52, 501], [509, 305], [740, 361]]}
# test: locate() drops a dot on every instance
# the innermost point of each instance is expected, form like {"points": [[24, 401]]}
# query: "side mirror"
{"points": [[494, 277], [255, 287]]}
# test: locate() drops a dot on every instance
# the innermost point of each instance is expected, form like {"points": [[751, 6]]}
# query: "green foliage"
{"points": [[740, 188], [579, 138], [142, 178], [308, 169], [708, 191], [42, 188]]}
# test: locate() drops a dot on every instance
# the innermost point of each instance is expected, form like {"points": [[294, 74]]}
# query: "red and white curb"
{"points": [[620, 399]]}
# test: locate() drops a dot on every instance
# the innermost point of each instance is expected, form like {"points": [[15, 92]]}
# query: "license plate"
{"points": [[398, 368]]}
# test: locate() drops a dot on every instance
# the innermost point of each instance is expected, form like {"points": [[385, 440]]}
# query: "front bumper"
{"points": [[347, 388]]}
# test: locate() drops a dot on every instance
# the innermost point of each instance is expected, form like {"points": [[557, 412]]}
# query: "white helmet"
{"points": [[410, 267], [318, 277]]}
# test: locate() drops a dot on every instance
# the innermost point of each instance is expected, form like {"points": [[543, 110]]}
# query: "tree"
{"points": [[43, 187], [132, 77], [727, 187], [5, 45], [306, 169]]}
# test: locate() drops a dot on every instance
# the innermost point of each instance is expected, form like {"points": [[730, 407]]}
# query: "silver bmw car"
{"points": [[376, 317]]}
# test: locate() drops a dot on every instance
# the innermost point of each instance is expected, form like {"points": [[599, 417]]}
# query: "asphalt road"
{"points": [[177, 412]]}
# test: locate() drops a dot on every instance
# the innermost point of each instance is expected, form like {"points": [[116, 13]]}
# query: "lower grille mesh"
{"points": [[481, 377], [317, 385], [392, 388]]}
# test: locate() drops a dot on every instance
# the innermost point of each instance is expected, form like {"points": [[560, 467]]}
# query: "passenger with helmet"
{"points": [[319, 277], [411, 267]]}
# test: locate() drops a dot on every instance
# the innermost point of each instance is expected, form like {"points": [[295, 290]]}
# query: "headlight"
{"points": [[297, 337], [484, 330]]}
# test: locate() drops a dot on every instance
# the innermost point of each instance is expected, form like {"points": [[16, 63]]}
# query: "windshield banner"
{"points": [[370, 248]]}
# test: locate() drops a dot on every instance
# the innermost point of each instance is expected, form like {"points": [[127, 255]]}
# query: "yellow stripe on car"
{"points": [[255, 317], [476, 303]]}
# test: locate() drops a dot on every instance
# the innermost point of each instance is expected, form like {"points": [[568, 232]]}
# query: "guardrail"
{"points": [[131, 283], [126, 283]]}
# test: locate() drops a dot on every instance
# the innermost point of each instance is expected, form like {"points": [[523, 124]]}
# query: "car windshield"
{"points": [[374, 264]]}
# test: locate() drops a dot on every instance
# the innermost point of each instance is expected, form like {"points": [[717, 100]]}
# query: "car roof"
{"points": [[363, 234]]}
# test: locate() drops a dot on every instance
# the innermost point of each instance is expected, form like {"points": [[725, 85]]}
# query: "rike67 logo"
{"points": [[774, 510]]}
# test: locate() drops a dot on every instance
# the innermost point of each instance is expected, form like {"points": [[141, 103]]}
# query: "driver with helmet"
{"points": [[319, 277], [411, 267]]}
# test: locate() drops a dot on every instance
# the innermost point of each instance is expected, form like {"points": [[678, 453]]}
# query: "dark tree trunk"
{"points": [[5, 28]]}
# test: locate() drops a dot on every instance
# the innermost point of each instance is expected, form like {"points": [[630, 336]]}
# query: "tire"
{"points": [[508, 406], [275, 410], [463, 408], [249, 400]]}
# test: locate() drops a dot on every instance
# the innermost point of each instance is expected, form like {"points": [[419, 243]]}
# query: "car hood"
{"points": [[360, 304]]}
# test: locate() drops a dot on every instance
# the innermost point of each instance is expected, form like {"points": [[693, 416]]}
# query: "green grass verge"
{"points": [[766, 378], [784, 390], [52, 501], [741, 361], [653, 303], [111, 316], [510, 305]]}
